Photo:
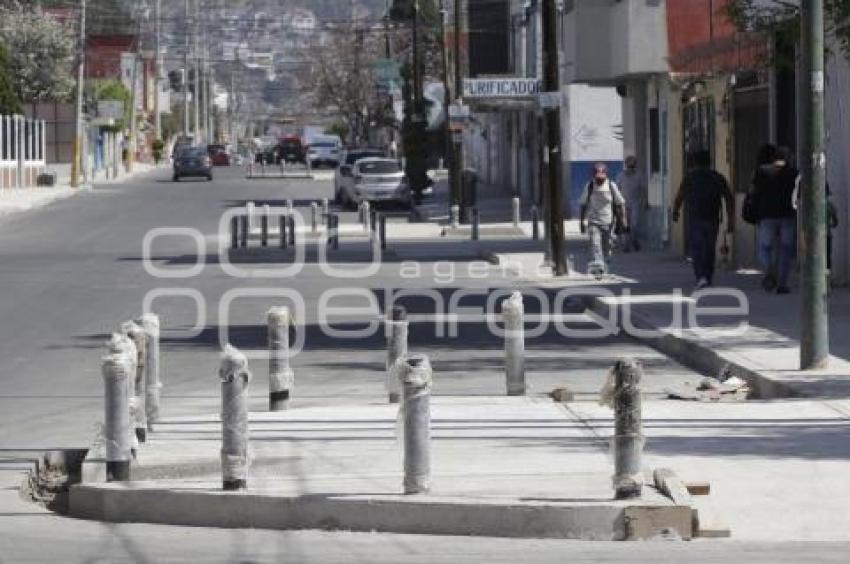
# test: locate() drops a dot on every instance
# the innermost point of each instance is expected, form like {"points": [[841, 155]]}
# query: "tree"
{"points": [[337, 128], [342, 79], [781, 19], [40, 53], [107, 89], [9, 102]]}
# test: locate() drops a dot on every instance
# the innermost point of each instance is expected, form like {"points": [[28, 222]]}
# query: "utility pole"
{"points": [[447, 96], [196, 94], [134, 101], [77, 163], [186, 27], [157, 120], [457, 147], [206, 86], [388, 54], [814, 331], [418, 162], [231, 101], [552, 86]]}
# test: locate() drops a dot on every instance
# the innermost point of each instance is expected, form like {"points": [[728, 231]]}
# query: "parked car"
{"points": [[291, 150], [343, 175], [323, 153], [192, 162], [376, 179], [219, 155]]}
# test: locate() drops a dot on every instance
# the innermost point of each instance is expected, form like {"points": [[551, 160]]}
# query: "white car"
{"points": [[323, 153], [376, 179]]}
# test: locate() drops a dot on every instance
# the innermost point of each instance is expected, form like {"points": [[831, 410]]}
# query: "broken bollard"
{"points": [[628, 429], [116, 428], [235, 458], [281, 376], [414, 373], [396, 331], [121, 344], [512, 314], [454, 214], [137, 333], [150, 323]]}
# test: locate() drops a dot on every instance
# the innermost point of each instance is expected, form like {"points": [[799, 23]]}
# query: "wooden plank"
{"points": [[670, 485], [698, 488]]}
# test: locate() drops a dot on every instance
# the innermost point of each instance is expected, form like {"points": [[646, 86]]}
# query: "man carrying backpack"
{"points": [[702, 191], [602, 209]]}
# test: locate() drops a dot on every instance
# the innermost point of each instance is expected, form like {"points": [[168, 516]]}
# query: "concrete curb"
{"points": [[604, 520], [694, 355]]}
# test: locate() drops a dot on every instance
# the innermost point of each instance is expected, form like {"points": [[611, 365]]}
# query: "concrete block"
{"points": [[205, 506], [642, 523]]}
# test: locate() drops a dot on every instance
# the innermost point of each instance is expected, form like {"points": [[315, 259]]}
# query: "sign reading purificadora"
{"points": [[500, 87]]}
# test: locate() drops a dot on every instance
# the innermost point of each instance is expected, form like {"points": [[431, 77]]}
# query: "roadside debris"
{"points": [[562, 395], [711, 390]]}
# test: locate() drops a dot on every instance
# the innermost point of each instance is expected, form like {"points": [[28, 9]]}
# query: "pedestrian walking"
{"points": [[602, 213], [702, 192], [774, 186], [632, 184]]}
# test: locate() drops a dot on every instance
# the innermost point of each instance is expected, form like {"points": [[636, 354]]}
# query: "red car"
{"points": [[218, 155]]}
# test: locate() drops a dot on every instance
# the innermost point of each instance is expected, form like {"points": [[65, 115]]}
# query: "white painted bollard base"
{"points": [[235, 456], [415, 413], [513, 312], [116, 426], [281, 375]]}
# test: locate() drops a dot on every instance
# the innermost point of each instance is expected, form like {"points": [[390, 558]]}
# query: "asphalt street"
{"points": [[72, 271]]}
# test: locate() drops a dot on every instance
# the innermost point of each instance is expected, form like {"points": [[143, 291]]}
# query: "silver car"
{"points": [[323, 153], [376, 180]]}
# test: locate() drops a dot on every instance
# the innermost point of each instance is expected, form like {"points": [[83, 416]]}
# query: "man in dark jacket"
{"points": [[773, 198], [702, 191]]}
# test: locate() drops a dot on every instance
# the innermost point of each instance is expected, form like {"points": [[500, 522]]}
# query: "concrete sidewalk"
{"points": [[760, 343], [517, 467], [14, 200]]}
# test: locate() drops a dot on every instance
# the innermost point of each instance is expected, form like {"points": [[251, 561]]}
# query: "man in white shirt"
{"points": [[602, 206]]}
